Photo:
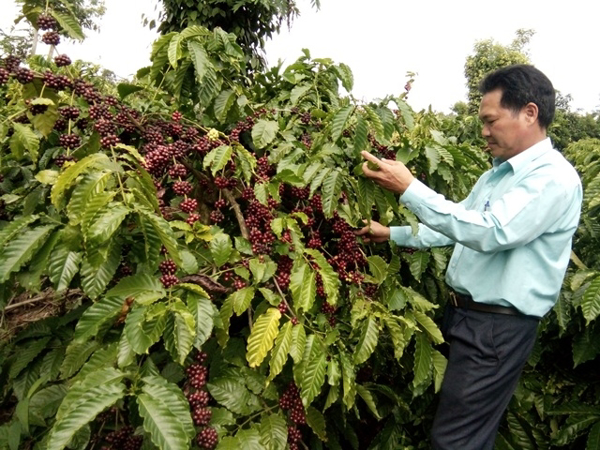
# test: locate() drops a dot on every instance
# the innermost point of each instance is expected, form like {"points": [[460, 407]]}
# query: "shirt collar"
{"points": [[522, 159]]}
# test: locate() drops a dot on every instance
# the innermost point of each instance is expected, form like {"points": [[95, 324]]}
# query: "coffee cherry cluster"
{"points": [[284, 269], [46, 22], [60, 160], [124, 439], [178, 171], [197, 375], [199, 398], [110, 140], [62, 60], [69, 141], [4, 76], [51, 38], [290, 400], [189, 205], [294, 437], [69, 112], [207, 438], [24, 75], [182, 187]]}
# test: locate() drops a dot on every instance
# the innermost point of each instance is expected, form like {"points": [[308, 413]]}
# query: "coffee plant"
{"points": [[178, 263]]}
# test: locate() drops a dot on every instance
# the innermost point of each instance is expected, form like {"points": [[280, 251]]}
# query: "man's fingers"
{"points": [[363, 231], [370, 157]]}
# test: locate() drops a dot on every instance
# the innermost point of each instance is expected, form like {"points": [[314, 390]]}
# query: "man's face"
{"points": [[503, 129]]}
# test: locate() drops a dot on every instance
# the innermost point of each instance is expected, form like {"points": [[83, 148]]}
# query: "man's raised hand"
{"points": [[391, 175]]}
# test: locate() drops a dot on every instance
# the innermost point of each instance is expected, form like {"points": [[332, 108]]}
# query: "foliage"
{"points": [[557, 402], [204, 224], [253, 22], [489, 56], [571, 126]]}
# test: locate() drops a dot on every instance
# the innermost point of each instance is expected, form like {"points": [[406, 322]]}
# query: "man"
{"points": [[512, 241]]}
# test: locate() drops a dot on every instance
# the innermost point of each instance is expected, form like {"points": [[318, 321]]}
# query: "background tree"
{"points": [[490, 55], [72, 18], [252, 21]]}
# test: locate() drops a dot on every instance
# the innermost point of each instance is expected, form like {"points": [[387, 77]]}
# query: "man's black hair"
{"points": [[522, 84]]}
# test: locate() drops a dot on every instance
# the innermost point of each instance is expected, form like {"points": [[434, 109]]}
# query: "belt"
{"points": [[466, 302]]}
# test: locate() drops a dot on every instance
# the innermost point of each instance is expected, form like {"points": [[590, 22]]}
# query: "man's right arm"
{"points": [[425, 237]]}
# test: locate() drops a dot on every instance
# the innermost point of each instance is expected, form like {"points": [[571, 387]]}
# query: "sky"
{"points": [[382, 40]]}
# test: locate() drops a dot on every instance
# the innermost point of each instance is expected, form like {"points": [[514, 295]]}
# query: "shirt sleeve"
{"points": [[425, 237], [523, 213]]}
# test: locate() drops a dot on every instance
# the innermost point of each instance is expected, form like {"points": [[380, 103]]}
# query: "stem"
{"points": [[249, 319], [238, 213], [43, 296], [251, 418], [112, 150]]}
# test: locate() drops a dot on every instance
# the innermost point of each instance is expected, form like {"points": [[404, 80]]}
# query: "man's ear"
{"points": [[531, 111]]}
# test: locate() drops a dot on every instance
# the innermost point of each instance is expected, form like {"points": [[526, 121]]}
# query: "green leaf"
{"points": [[91, 185], [590, 302], [125, 89], [313, 376], [378, 268], [332, 188], [202, 63], [418, 263], [24, 139], [339, 122], [174, 51], [366, 395], [27, 354], [64, 264], [165, 233], [95, 279], [142, 333], [439, 368], [303, 285], [248, 439], [231, 393], [369, 336], [316, 421], [221, 248], [15, 228], [44, 123], [223, 104], [143, 288], [264, 132], [361, 136], [298, 92], [397, 335], [97, 315], [172, 398], [423, 360], [345, 75], [180, 331], [430, 326], [68, 177], [107, 222], [331, 281], [45, 402], [262, 336], [89, 404], [20, 250], [104, 357], [218, 158], [279, 356], [47, 176], [164, 428], [298, 343], [68, 24], [241, 299], [273, 432], [203, 311], [593, 440], [76, 355]]}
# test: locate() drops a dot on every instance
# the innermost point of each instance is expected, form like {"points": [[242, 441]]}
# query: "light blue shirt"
{"points": [[512, 235]]}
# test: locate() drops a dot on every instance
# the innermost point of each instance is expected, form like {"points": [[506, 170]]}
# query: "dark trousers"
{"points": [[486, 356]]}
